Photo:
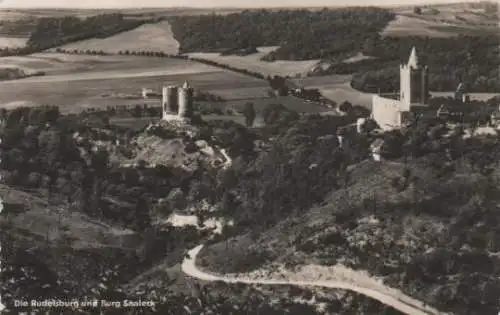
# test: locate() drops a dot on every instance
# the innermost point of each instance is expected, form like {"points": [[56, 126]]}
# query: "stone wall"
{"points": [[386, 112]]}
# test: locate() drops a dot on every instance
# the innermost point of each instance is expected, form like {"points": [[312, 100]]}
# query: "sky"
{"points": [[206, 3]]}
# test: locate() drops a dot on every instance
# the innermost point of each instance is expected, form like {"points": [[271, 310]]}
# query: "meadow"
{"points": [[253, 63], [57, 63]]}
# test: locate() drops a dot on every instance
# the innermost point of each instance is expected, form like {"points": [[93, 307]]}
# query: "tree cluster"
{"points": [[285, 177]]}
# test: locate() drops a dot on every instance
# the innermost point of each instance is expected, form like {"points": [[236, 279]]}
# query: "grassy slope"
{"points": [[156, 37]]}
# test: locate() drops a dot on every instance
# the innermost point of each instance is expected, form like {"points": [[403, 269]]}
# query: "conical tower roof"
{"points": [[413, 60], [186, 85]]}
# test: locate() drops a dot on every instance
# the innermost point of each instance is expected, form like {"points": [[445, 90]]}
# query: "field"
{"points": [[148, 37], [12, 42], [75, 81], [254, 64], [443, 21], [57, 64]]}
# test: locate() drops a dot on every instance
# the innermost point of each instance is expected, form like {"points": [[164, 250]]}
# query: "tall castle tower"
{"points": [[393, 112], [414, 83], [185, 101]]}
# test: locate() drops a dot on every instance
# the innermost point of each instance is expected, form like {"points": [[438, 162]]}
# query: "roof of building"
{"points": [[460, 87], [413, 60], [444, 108], [377, 143], [186, 85]]}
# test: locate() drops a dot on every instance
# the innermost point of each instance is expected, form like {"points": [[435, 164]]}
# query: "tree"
{"points": [[345, 106], [249, 113], [277, 114], [417, 10]]}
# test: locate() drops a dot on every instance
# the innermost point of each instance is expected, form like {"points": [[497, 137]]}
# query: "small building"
{"points": [[376, 149], [360, 123], [146, 92], [443, 112], [451, 113], [495, 118], [461, 94]]}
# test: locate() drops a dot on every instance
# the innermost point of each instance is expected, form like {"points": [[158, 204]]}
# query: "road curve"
{"points": [[403, 304]]}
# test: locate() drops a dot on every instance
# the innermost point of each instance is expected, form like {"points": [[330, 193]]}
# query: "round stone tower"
{"points": [[169, 100], [185, 101]]}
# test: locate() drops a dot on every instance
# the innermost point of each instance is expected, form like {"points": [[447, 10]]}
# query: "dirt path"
{"points": [[383, 294]]}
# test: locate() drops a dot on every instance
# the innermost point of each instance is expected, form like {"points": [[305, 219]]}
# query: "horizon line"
{"points": [[418, 2]]}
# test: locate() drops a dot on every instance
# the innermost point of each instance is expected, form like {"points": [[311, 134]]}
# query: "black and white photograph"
{"points": [[195, 157]]}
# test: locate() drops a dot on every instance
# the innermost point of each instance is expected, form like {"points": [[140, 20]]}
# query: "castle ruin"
{"points": [[177, 102]]}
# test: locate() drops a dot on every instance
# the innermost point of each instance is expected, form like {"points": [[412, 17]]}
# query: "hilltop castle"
{"points": [[177, 102], [392, 112]]}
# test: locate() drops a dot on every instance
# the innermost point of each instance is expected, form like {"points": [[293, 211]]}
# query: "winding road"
{"points": [[397, 300]]}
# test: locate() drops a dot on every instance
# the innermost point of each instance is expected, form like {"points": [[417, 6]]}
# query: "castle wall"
{"points": [[386, 112]]}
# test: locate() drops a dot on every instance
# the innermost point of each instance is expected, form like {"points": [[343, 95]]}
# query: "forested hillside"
{"points": [[301, 34]]}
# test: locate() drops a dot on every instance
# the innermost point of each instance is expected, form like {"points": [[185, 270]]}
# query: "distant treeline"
{"points": [[301, 34], [51, 32]]}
